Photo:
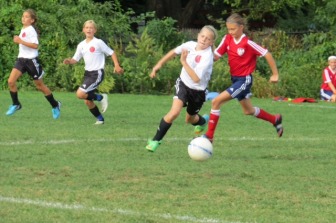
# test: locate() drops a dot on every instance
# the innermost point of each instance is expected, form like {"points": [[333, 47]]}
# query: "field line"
{"points": [[79, 207], [312, 106], [69, 141]]}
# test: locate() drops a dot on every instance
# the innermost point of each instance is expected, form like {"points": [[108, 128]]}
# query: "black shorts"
{"points": [[192, 99], [92, 79], [31, 66]]}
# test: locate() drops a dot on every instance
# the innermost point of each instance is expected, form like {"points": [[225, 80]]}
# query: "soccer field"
{"points": [[69, 170]]}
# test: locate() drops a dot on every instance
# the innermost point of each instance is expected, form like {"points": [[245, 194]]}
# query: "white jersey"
{"points": [[200, 61], [29, 35], [93, 53]]}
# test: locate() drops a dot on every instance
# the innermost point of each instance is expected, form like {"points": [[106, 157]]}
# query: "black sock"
{"points": [[162, 130], [96, 113], [201, 121], [15, 98], [52, 100]]}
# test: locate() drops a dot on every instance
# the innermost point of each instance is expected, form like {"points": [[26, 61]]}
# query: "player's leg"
{"points": [[276, 120], [216, 104], [165, 124], [13, 91]]}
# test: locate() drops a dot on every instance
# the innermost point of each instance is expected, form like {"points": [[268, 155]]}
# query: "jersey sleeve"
{"points": [[221, 49], [78, 54], [260, 51], [105, 48]]}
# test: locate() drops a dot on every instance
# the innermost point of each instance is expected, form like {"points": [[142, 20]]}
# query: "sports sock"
{"points": [[15, 98], [201, 121], [95, 112], [52, 100], [214, 117], [162, 130], [262, 114]]}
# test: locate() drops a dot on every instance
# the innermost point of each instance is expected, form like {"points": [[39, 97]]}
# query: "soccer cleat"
{"points": [[200, 128], [152, 145], [205, 136], [278, 124], [13, 108], [104, 103], [99, 122], [56, 112]]}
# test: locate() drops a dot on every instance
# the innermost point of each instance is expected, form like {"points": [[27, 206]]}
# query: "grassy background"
{"points": [[69, 170]]}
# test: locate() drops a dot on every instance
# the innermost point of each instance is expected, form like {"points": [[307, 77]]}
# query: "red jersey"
{"points": [[328, 76], [242, 54]]}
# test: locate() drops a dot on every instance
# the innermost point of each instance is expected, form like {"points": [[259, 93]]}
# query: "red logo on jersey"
{"points": [[23, 35], [92, 49], [198, 58]]}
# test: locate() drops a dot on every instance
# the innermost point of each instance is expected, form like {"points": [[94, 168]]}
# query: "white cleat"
{"points": [[104, 103]]}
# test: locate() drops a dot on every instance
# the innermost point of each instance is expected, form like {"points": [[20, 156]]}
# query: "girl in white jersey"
{"points": [[197, 60], [27, 61], [93, 51], [242, 58]]}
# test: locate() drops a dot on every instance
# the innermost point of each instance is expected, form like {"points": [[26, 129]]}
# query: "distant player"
{"points": [[197, 60], [242, 58], [28, 61], [328, 87], [93, 51]]}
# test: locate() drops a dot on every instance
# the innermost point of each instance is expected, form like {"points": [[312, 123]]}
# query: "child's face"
{"points": [[26, 19], [89, 30], [205, 39], [235, 30], [332, 64]]}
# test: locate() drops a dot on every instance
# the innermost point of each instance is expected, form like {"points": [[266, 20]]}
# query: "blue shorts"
{"points": [[241, 87], [326, 95]]}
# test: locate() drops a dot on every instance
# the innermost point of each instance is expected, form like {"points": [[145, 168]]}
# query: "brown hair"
{"points": [[33, 15], [237, 19]]}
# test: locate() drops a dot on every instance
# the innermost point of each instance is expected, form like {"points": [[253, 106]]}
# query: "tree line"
{"points": [[300, 56]]}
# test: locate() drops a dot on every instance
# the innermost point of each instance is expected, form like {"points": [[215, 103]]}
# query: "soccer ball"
{"points": [[200, 149]]}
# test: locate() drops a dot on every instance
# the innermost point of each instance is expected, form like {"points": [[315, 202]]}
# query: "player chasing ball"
{"points": [[93, 50]]}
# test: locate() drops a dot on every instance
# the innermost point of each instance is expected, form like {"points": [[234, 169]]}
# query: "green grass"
{"points": [[69, 170]]}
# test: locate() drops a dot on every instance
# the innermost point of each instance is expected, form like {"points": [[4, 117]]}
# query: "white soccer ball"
{"points": [[200, 149]]}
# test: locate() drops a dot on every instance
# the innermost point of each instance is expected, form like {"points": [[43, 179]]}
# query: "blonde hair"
{"points": [[90, 22], [331, 58], [215, 34]]}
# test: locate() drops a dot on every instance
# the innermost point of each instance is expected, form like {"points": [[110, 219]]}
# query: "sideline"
{"points": [[79, 207], [68, 141]]}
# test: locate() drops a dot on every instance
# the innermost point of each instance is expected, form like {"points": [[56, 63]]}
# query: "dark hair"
{"points": [[33, 15]]}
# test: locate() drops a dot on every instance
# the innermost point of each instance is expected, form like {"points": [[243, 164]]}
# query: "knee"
{"points": [[11, 83]]}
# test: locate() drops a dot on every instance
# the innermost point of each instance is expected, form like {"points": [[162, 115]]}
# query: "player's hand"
{"points": [[183, 57], [155, 69], [333, 98], [118, 70], [274, 78], [17, 39], [67, 61]]}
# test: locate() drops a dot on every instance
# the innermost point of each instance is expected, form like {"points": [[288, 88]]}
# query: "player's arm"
{"points": [[171, 54], [69, 61], [18, 40], [332, 87], [271, 62], [117, 68], [186, 66]]}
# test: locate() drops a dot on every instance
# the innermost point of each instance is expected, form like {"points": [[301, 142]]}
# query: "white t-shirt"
{"points": [[93, 53], [200, 61], [29, 35]]}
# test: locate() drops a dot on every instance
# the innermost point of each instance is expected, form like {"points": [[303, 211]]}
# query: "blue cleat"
{"points": [[56, 112], [13, 108]]}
